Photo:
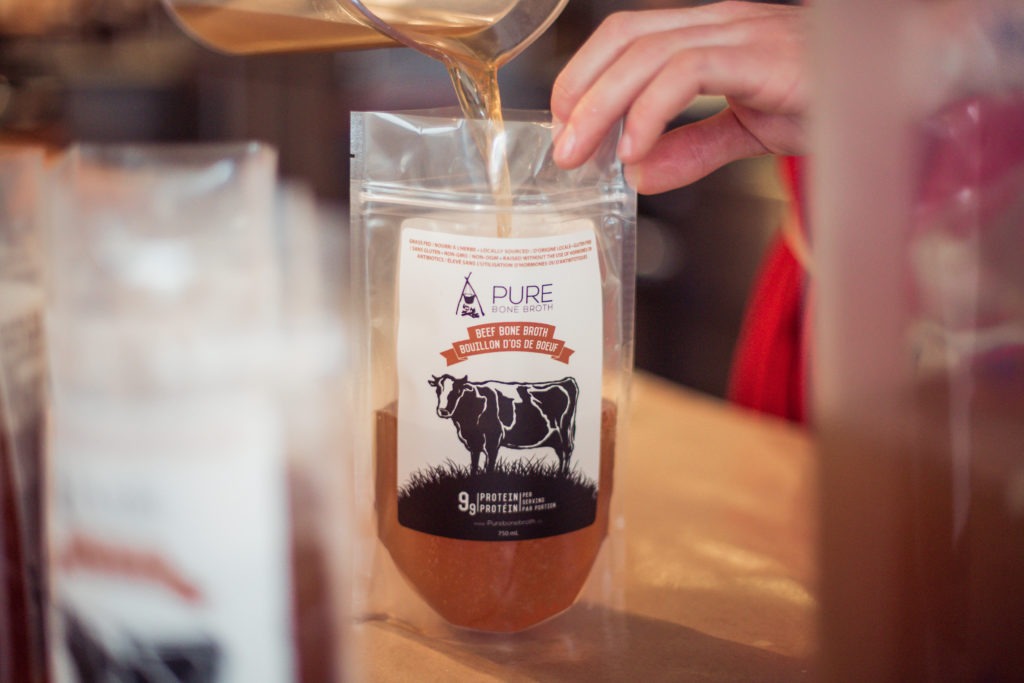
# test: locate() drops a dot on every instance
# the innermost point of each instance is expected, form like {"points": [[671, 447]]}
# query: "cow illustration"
{"points": [[517, 415]]}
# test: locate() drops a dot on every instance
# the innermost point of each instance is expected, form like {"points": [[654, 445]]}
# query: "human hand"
{"points": [[649, 66]]}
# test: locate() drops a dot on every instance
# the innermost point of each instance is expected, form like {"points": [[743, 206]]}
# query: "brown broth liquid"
{"points": [[476, 86], [499, 586]]}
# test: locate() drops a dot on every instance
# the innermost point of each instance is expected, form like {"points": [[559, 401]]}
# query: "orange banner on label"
{"points": [[508, 337]]}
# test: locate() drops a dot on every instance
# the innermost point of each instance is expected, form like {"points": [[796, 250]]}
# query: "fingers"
{"points": [[609, 97], [599, 84], [622, 29], [650, 88], [691, 152], [648, 67]]}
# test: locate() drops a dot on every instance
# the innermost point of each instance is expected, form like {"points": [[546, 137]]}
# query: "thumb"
{"points": [[688, 153]]}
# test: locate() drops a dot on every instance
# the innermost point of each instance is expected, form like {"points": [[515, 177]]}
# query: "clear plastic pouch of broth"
{"points": [[497, 368]]}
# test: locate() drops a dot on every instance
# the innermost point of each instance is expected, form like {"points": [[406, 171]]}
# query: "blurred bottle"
{"points": [[919, 365], [196, 441]]}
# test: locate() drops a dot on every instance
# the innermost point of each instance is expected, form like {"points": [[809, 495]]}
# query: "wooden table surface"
{"points": [[718, 571]]}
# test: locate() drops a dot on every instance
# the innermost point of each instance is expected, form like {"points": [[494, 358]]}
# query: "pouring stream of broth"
{"points": [[472, 38], [473, 61]]}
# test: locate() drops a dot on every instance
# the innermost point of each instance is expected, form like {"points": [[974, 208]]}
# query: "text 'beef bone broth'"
{"points": [[497, 364]]}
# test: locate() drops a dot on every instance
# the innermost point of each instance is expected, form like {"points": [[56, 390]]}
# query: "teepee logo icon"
{"points": [[469, 303]]}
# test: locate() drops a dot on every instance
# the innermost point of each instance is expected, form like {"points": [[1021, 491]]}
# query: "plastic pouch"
{"points": [[22, 370], [498, 369], [196, 446]]}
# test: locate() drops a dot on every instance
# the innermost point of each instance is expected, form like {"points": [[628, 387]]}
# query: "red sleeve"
{"points": [[768, 372]]}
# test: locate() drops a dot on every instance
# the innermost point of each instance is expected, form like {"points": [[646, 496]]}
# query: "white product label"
{"points": [[171, 542], [499, 400]]}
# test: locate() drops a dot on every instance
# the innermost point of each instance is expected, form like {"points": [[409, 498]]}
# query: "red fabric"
{"points": [[768, 372], [971, 150]]}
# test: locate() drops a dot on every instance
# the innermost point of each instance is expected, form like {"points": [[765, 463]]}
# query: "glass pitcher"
{"points": [[485, 30]]}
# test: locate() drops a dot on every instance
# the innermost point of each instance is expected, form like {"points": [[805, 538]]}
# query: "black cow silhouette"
{"points": [[517, 415]]}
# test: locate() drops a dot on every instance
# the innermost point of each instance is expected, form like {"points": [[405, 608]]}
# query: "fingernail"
{"points": [[556, 129], [565, 143]]}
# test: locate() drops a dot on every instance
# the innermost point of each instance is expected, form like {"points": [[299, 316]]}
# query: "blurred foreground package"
{"points": [[196, 499], [918, 293]]}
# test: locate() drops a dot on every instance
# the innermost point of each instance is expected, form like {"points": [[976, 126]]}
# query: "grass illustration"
{"points": [[429, 500]]}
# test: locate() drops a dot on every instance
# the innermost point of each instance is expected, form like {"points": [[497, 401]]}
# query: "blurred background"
{"points": [[122, 71]]}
